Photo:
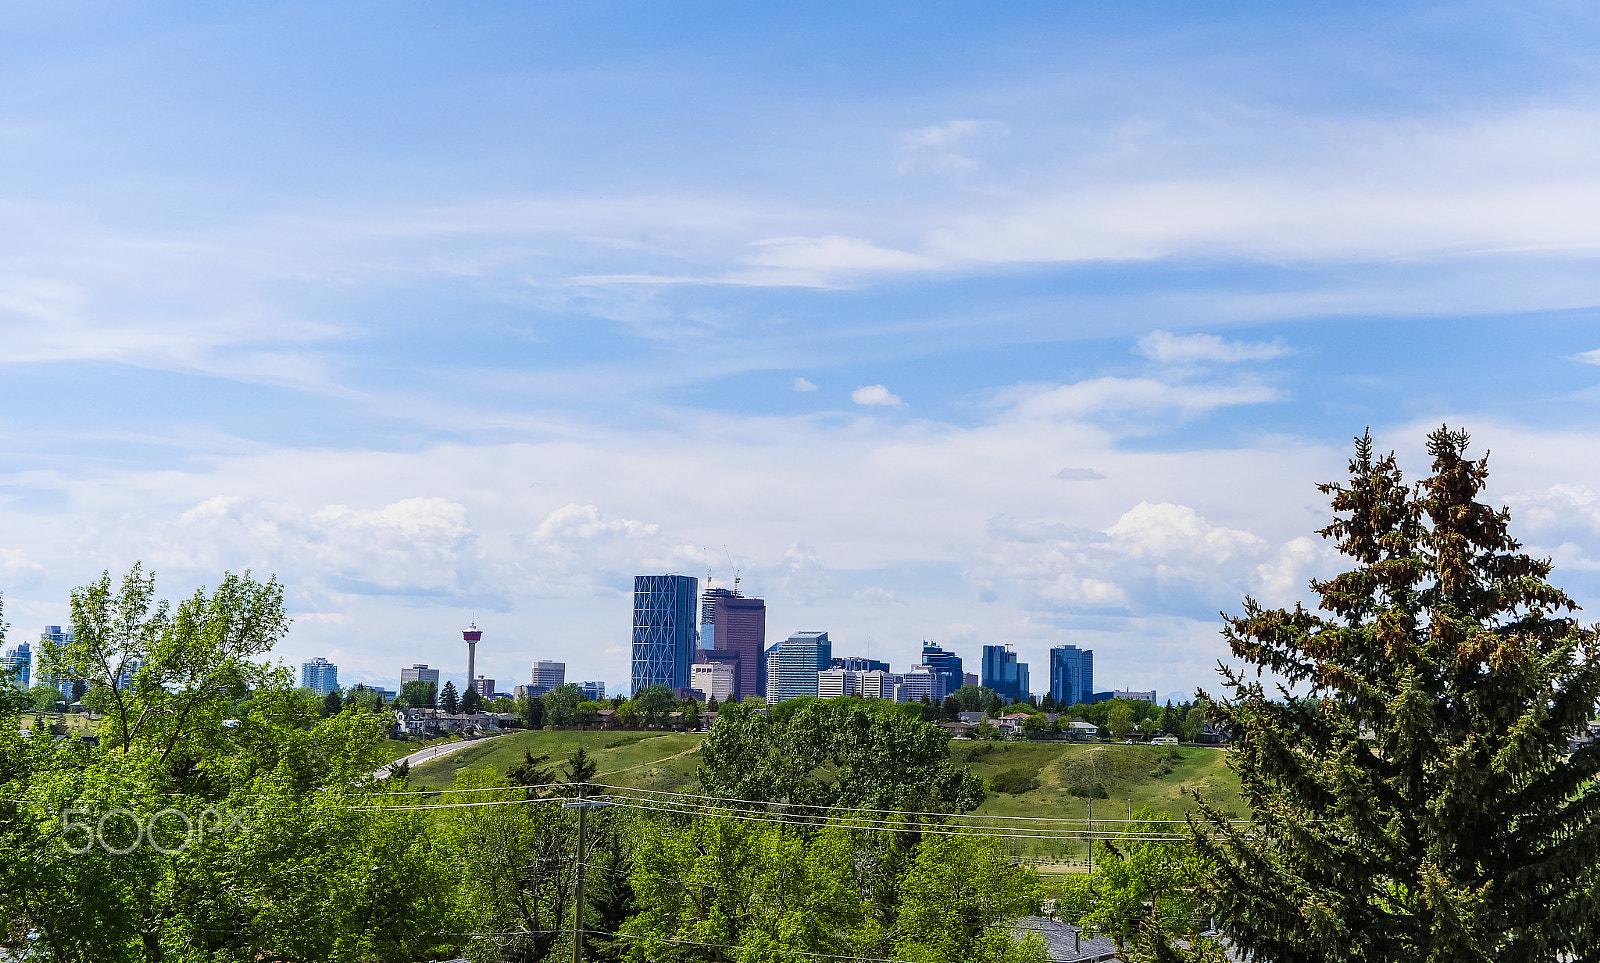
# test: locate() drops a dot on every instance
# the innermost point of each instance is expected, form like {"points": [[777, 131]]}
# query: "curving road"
{"points": [[431, 753]]}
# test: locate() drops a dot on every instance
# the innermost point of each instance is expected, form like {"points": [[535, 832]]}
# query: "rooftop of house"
{"points": [[1065, 943]]}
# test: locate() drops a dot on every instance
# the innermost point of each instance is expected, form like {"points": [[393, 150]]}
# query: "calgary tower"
{"points": [[471, 634]]}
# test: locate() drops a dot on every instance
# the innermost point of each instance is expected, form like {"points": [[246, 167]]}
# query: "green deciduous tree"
{"points": [[958, 900], [418, 694], [1120, 720], [843, 752], [561, 705], [747, 886], [168, 676], [1421, 803], [1143, 883], [654, 703]]}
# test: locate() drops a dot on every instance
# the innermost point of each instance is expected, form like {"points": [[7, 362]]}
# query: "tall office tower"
{"points": [[484, 686], [663, 630], [1004, 674], [793, 666], [857, 664], [1071, 675], [18, 662], [740, 631], [592, 691], [547, 675], [319, 675], [420, 673], [715, 680], [922, 680], [947, 664], [472, 635]]}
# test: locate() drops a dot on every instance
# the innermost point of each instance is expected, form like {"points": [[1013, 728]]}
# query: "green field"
{"points": [[1041, 778], [641, 760]]}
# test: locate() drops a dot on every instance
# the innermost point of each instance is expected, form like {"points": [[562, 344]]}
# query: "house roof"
{"points": [[1062, 942]]}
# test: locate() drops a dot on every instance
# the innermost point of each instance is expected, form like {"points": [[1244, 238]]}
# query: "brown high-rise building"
{"points": [[740, 634]]}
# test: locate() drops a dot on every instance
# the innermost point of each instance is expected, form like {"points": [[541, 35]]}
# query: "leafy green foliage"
{"points": [[1141, 885], [418, 694], [840, 752], [1420, 803], [560, 705]]}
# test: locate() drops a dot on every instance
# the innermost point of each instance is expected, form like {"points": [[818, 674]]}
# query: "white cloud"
{"points": [[1177, 532], [1120, 395], [875, 395], [1590, 357], [801, 384], [821, 261], [941, 135], [584, 521], [1169, 348]]}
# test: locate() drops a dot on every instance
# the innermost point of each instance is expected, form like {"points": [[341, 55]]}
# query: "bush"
{"points": [[1015, 782]]}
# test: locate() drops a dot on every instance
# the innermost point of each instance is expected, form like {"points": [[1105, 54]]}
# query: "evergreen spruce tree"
{"points": [[1421, 803], [448, 701]]}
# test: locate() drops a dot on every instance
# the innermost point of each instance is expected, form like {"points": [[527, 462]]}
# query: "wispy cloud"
{"points": [[1169, 348], [801, 384]]}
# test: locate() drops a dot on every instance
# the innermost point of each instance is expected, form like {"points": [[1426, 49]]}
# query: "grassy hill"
{"points": [[1029, 778], [642, 760]]}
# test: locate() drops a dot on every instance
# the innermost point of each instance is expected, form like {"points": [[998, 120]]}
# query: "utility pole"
{"points": [[1091, 837], [583, 806]]}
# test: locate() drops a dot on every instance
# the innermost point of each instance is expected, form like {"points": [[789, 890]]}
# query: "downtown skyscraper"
{"points": [[664, 630]]}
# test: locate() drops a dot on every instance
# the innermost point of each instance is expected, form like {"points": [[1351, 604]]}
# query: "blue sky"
{"points": [[1027, 323]]}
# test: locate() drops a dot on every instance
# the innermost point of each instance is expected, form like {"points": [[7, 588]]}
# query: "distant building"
{"points": [[714, 680], [708, 613], [664, 635], [63, 684], [1135, 696], [947, 664], [484, 687], [592, 691], [733, 631], [547, 675], [857, 664], [922, 680], [319, 675], [877, 684], [970, 678], [18, 662], [419, 673], [1003, 674], [1072, 675], [837, 683], [794, 663]]}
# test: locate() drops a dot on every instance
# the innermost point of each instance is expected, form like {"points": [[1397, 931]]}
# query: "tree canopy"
{"points": [[1418, 801]]}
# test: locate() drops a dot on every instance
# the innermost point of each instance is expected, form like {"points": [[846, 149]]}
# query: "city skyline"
{"points": [[1033, 329]]}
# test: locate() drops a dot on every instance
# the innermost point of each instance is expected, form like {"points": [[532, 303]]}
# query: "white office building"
{"points": [[714, 679], [547, 676], [921, 681]]}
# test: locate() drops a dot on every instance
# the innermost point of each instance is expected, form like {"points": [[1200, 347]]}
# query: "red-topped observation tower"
{"points": [[471, 634]]}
